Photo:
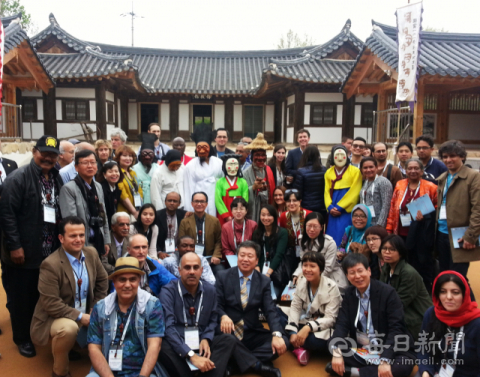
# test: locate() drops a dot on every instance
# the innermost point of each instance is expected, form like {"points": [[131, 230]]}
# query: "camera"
{"points": [[96, 221]]}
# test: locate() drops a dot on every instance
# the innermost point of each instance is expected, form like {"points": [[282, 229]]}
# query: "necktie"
{"points": [[238, 330]]}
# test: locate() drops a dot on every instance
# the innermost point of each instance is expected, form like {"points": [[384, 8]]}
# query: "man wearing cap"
{"points": [[30, 212], [259, 176], [83, 197], [69, 172], [72, 280], [167, 178], [116, 322], [202, 173], [145, 168]]}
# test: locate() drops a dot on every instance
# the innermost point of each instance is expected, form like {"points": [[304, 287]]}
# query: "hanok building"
{"points": [[448, 97], [276, 92]]}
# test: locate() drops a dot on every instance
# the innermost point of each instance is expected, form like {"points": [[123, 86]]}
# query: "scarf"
{"points": [[467, 312], [291, 234], [358, 235]]}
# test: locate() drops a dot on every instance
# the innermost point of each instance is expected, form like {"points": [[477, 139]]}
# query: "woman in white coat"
{"points": [[167, 178]]}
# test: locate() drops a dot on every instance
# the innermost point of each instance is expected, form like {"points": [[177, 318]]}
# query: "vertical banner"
{"points": [[409, 25]]}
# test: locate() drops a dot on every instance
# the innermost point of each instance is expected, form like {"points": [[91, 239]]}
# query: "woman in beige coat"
{"points": [[314, 309]]}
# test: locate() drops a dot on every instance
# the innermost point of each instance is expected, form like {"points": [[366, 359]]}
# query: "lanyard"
{"points": [[172, 226], [44, 194], [385, 167], [456, 343], [366, 189], [446, 188], [79, 282], [405, 194], [294, 227], [132, 184], [367, 314], [201, 233], [243, 233], [183, 305], [429, 164], [124, 331], [265, 254], [311, 296]]}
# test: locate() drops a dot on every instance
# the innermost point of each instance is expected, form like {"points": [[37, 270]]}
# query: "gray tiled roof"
{"points": [[445, 54], [6, 20], [202, 72]]}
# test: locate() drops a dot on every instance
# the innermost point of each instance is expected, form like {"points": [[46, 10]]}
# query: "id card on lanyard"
{"points": [[266, 264], [115, 356], [192, 336], [447, 368], [370, 207], [363, 338], [406, 218], [443, 208], [243, 233], [49, 215], [298, 248], [200, 246]]}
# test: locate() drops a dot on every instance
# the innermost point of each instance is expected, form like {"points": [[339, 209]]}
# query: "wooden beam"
{"points": [[385, 67], [362, 74], [418, 110], [12, 54], [36, 71], [20, 82]]}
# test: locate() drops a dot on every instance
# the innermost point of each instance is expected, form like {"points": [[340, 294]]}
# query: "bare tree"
{"points": [[292, 40]]}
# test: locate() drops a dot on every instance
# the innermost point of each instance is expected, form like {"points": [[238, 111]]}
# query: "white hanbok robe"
{"points": [[163, 182], [202, 177]]}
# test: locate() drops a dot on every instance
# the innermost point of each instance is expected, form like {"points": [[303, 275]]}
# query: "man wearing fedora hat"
{"points": [[72, 280], [127, 327], [30, 213]]}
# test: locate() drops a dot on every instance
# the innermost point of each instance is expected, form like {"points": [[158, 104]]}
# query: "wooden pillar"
{"points": [[277, 125], [418, 111], [348, 116], [381, 122], [123, 114], [101, 100], [229, 117], [50, 113], [115, 110], [442, 116], [174, 118], [10, 113], [299, 115]]}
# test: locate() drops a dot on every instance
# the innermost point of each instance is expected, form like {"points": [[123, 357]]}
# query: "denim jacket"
{"points": [[106, 316]]}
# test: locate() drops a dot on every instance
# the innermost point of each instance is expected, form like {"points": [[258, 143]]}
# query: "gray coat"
{"points": [[72, 203]]}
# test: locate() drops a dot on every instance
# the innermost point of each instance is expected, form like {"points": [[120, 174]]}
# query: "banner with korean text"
{"points": [[409, 24]]}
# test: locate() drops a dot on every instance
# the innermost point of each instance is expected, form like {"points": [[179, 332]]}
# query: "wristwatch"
{"points": [[278, 334], [190, 354]]}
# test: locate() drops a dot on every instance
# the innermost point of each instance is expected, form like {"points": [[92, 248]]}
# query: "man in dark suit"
{"points": [[295, 155], [221, 140], [6, 168], [241, 292], [119, 240], [371, 314], [168, 222]]}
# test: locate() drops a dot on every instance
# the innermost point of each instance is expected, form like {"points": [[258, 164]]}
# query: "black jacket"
{"points": [[22, 214], [227, 151], [230, 304], [161, 221], [311, 185], [387, 318], [293, 159], [112, 199]]}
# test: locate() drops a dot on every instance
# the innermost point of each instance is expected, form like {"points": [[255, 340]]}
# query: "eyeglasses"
{"points": [[313, 227], [359, 216], [147, 153], [359, 146], [199, 202], [388, 250], [221, 137], [88, 163], [370, 240]]}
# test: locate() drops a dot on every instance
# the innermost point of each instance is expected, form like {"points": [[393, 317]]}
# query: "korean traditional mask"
{"points": [[203, 149], [340, 158], [232, 167], [259, 158]]}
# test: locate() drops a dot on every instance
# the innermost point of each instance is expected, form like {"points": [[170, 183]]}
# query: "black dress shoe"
{"points": [[0, 331], [74, 355], [330, 371], [27, 349], [266, 371]]}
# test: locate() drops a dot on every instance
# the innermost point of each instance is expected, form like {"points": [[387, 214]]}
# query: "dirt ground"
{"points": [[14, 365]]}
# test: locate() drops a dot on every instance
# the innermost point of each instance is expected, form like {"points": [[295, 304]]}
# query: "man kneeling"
{"points": [[126, 328]]}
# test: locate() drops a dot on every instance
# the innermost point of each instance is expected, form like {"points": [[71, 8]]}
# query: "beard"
{"points": [[202, 160]]}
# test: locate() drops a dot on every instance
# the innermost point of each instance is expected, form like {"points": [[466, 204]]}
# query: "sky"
{"points": [[239, 24]]}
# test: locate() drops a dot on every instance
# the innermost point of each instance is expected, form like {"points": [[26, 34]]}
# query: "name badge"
{"points": [[443, 212], [49, 214], [170, 245], [266, 267], [362, 338], [406, 219], [199, 249], [446, 370], [372, 210], [115, 360], [137, 200], [298, 250], [192, 338], [82, 308]]}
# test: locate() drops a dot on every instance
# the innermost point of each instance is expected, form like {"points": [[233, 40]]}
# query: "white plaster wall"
{"points": [[269, 118], [106, 110], [165, 116], [237, 117], [219, 116], [325, 135], [110, 96], [339, 115], [306, 116], [464, 126], [75, 92], [93, 110], [58, 109], [40, 109], [183, 116], [364, 99], [110, 128], [283, 122], [68, 130], [358, 115], [364, 132], [118, 111], [37, 130], [290, 135], [288, 116], [291, 100], [32, 93], [132, 116], [323, 97]]}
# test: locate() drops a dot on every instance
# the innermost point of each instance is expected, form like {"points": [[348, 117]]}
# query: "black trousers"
{"points": [[402, 366], [21, 286], [223, 348], [260, 344]]}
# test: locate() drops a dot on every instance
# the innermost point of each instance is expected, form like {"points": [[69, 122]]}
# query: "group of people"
{"points": [[165, 264]]}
